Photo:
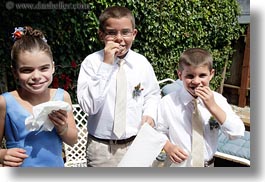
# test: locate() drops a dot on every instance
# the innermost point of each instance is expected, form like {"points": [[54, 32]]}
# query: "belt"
{"points": [[209, 162], [109, 141]]}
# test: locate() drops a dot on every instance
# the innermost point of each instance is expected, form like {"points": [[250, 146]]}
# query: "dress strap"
{"points": [[59, 95]]}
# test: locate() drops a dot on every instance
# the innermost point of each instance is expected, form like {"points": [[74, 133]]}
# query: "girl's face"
{"points": [[34, 71], [119, 30], [194, 77]]}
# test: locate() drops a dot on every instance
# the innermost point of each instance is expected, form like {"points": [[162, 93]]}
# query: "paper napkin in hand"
{"points": [[144, 149], [39, 118]]}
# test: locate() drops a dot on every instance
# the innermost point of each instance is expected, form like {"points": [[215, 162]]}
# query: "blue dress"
{"points": [[44, 148]]}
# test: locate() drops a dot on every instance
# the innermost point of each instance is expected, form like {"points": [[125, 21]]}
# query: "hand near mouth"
{"points": [[206, 94], [119, 51], [111, 50]]}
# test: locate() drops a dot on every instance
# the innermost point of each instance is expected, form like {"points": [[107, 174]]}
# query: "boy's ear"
{"points": [[212, 73], [179, 74], [101, 35], [135, 31]]}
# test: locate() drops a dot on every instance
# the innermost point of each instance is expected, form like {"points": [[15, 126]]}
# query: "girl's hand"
{"points": [[59, 119], [14, 157]]}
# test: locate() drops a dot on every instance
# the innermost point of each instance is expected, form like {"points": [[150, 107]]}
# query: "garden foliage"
{"points": [[165, 29]]}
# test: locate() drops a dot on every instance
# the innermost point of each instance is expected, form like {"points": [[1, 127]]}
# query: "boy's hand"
{"points": [[110, 51], [149, 120], [175, 153], [14, 157], [207, 97], [206, 94]]}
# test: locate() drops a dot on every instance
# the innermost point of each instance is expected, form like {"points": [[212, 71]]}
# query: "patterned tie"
{"points": [[197, 138], [120, 103]]}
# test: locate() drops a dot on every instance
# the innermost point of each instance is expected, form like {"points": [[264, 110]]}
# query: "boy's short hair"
{"points": [[115, 12], [195, 57]]}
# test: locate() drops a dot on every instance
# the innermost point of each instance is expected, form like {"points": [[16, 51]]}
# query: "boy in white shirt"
{"points": [[175, 110], [96, 89]]}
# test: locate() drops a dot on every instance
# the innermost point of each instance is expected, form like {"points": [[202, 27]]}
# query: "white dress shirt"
{"points": [[174, 120], [96, 91]]}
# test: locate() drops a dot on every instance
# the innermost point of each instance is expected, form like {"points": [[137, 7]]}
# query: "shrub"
{"points": [[165, 29]]}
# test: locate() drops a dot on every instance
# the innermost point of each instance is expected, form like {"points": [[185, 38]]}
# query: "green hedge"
{"points": [[166, 28]]}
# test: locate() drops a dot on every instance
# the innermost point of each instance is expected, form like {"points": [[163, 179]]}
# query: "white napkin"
{"points": [[40, 115], [144, 149]]}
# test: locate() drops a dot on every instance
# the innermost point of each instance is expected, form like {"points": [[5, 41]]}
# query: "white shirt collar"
{"points": [[126, 58], [186, 97]]}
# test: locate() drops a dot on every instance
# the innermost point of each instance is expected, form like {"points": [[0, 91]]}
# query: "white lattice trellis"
{"points": [[76, 156]]}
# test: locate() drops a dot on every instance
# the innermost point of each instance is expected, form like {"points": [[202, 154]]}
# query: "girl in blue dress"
{"points": [[33, 68]]}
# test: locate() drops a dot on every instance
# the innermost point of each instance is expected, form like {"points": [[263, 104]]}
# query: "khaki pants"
{"points": [[101, 154]]}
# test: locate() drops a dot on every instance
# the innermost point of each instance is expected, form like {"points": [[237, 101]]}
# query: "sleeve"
{"points": [[152, 93], [161, 125], [233, 127], [93, 84]]}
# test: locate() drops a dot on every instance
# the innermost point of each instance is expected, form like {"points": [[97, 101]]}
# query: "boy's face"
{"points": [[119, 30], [194, 77]]}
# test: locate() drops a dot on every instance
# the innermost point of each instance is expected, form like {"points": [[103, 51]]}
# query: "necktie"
{"points": [[197, 137], [120, 103]]}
